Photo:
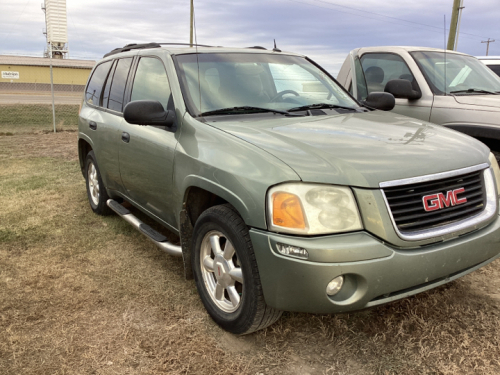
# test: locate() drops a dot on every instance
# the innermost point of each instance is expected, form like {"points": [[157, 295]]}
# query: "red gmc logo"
{"points": [[438, 201]]}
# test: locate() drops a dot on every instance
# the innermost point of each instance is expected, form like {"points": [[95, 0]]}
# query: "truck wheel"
{"points": [[226, 272], [96, 191]]}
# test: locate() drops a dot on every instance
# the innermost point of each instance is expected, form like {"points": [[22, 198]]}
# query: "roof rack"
{"points": [[133, 46]]}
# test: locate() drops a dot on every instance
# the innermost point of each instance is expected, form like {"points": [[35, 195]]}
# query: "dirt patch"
{"points": [[84, 294], [56, 145]]}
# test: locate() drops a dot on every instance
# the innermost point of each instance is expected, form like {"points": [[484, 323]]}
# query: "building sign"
{"points": [[10, 75]]}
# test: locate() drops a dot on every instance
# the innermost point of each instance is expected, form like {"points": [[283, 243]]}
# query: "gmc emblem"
{"points": [[438, 201]]}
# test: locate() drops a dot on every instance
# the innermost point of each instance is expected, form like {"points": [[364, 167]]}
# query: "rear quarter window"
{"points": [[95, 85]]}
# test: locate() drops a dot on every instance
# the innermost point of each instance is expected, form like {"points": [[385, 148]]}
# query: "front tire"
{"points": [[96, 192], [226, 272]]}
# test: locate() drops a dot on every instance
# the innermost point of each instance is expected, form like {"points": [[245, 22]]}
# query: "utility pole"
{"points": [[191, 25], [453, 24], [488, 44], [459, 19]]}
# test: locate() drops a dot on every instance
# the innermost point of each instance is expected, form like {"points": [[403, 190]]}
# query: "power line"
{"points": [[377, 14], [18, 17]]}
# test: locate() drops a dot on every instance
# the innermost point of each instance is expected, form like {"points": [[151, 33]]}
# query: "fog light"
{"points": [[335, 285], [292, 251]]}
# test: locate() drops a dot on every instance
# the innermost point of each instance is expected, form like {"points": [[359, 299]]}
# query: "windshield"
{"points": [[456, 74], [267, 81]]}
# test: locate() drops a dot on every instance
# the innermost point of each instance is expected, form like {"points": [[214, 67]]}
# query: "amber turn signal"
{"points": [[287, 211]]}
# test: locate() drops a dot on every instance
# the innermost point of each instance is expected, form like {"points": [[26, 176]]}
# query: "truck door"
{"points": [[379, 68], [147, 152]]}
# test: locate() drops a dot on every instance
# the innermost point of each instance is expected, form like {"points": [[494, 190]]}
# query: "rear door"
{"points": [[107, 119], [147, 152]]}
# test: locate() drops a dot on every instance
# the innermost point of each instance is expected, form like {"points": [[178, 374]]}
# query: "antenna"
{"points": [[444, 54], [196, 46], [275, 49]]}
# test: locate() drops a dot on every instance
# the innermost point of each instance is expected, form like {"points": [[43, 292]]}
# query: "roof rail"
{"points": [[258, 47], [185, 44], [132, 46]]}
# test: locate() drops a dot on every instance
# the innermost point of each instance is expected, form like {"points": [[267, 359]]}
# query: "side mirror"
{"points": [[148, 112], [402, 88], [380, 100]]}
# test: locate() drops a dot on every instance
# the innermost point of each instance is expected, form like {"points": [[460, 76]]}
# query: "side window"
{"points": [[118, 85], [361, 87], [379, 68], [107, 86], [94, 88], [151, 82]]}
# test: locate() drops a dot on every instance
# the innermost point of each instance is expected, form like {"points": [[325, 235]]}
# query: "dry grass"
{"points": [[83, 294]]}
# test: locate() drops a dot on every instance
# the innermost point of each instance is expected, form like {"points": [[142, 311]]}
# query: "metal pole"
{"points": [[52, 88], [459, 19], [191, 25], [453, 25]]}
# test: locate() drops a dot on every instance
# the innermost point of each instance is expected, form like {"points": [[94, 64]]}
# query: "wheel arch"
{"points": [[199, 195], [84, 147]]}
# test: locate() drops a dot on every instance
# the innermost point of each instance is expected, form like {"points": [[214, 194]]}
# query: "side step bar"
{"points": [[157, 238]]}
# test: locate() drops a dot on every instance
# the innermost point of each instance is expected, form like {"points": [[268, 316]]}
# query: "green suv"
{"points": [[286, 192]]}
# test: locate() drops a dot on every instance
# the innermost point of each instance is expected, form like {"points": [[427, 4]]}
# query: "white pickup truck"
{"points": [[444, 87]]}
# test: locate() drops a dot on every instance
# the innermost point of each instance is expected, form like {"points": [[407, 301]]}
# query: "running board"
{"points": [[157, 238]]}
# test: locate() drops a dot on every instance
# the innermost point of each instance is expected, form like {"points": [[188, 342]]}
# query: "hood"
{"points": [[361, 149], [480, 100]]}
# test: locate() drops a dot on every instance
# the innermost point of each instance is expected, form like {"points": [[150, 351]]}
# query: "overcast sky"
{"points": [[325, 30]]}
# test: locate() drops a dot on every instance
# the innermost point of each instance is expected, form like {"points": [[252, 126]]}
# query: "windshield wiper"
{"points": [[480, 91], [243, 109], [320, 106]]}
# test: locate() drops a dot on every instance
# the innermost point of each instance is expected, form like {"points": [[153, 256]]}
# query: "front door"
{"points": [[147, 152]]}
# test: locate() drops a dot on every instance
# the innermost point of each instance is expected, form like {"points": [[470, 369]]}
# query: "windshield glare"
{"points": [[455, 73], [278, 82]]}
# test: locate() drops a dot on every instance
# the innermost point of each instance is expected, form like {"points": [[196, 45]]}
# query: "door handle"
{"points": [[125, 137], [92, 125]]}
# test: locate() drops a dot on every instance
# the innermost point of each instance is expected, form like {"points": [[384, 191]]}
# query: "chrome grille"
{"points": [[409, 215]]}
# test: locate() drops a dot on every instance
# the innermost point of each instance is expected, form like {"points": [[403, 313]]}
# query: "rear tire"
{"points": [[96, 191], [226, 272]]}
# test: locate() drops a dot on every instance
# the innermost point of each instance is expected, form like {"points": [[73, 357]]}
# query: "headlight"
{"points": [[496, 171], [301, 208]]}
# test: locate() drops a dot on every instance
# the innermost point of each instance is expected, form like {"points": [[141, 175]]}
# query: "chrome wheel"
{"points": [[221, 271], [93, 183]]}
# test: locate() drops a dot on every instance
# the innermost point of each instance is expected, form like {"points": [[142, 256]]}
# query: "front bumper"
{"points": [[375, 273]]}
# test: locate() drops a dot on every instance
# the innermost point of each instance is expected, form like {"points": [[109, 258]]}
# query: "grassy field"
{"points": [[31, 118], [84, 294]]}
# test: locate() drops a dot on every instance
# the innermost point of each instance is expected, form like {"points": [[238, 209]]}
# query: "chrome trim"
{"points": [[490, 208], [432, 177]]}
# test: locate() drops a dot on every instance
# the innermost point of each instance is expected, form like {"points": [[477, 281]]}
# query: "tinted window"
{"points": [[495, 68], [151, 82], [118, 85], [94, 88], [107, 87], [379, 68]]}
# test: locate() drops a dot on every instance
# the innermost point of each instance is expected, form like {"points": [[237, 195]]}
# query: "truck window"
{"points": [[151, 82], [360, 81], [380, 68], [117, 91], [94, 88]]}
